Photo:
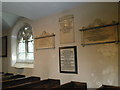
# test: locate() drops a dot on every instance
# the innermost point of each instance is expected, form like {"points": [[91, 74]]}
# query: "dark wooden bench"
{"points": [[72, 85], [12, 77], [109, 87], [47, 84], [13, 82], [38, 85], [6, 74], [1, 72]]}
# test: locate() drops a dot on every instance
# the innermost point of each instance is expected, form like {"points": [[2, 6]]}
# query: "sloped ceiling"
{"points": [[32, 10], [8, 20]]}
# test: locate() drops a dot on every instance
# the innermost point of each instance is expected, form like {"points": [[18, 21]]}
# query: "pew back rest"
{"points": [[7, 74], [48, 83], [20, 81], [73, 84], [1, 72], [13, 77], [108, 87]]}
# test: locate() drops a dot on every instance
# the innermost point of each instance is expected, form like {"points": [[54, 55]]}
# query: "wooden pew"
{"points": [[38, 85], [72, 85], [13, 82], [6, 74], [1, 72], [47, 84], [109, 87], [12, 77]]}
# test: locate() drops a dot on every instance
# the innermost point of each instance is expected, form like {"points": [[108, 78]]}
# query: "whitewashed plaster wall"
{"points": [[97, 64]]}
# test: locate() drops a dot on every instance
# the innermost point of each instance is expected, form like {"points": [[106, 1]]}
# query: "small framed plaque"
{"points": [[68, 59], [3, 48]]}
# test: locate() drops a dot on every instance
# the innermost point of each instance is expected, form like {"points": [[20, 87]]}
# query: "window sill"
{"points": [[23, 65]]}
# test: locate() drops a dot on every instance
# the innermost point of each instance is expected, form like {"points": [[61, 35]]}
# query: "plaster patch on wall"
{"points": [[110, 53], [108, 50], [98, 84], [106, 67], [105, 76], [109, 75], [107, 70]]}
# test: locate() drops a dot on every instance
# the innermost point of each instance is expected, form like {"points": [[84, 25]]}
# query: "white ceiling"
{"points": [[60, 0], [32, 10], [35, 10]]}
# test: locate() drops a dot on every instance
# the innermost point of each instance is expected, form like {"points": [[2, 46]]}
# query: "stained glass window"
{"points": [[25, 44]]}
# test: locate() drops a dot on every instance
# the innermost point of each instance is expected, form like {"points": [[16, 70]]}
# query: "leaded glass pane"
{"points": [[25, 44], [21, 47], [31, 38], [30, 56], [30, 46], [21, 56]]}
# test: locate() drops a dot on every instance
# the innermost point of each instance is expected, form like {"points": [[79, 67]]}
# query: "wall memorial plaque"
{"points": [[67, 29], [100, 34], [45, 41], [68, 59]]}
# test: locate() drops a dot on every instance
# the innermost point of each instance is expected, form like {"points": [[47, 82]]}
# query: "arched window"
{"points": [[25, 45]]}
